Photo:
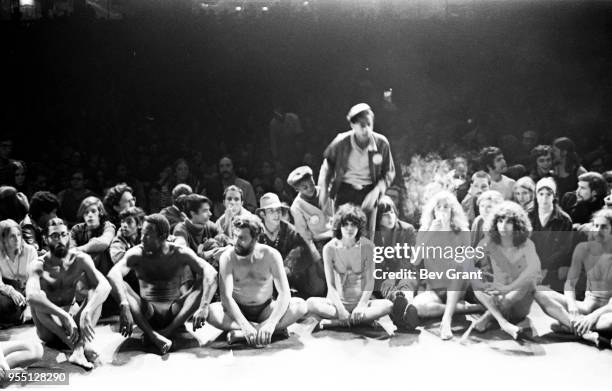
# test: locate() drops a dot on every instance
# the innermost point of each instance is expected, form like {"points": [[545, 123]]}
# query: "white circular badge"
{"points": [[377, 159], [314, 220]]}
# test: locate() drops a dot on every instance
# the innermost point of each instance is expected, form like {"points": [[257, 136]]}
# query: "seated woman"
{"points": [[486, 202], [516, 269], [15, 258], [95, 234], [18, 354], [349, 272], [443, 224], [523, 193], [391, 231]]}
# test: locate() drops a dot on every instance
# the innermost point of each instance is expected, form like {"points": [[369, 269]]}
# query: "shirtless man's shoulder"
{"points": [[134, 255]]}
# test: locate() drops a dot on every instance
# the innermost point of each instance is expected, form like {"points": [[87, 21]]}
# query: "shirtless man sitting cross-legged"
{"points": [[586, 318], [50, 291], [247, 273], [159, 265]]}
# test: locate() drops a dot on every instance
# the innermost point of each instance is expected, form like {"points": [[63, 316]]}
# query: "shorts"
{"points": [[161, 314], [599, 301], [253, 312]]}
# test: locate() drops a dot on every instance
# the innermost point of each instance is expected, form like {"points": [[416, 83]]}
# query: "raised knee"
{"points": [[37, 349], [299, 307]]}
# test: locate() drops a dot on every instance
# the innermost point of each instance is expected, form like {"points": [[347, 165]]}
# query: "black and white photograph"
{"points": [[306, 194]]}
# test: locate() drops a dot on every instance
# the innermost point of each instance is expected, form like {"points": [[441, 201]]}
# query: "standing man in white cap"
{"points": [[357, 166], [305, 279]]}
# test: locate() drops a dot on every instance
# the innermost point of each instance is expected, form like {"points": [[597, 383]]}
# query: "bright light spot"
{"points": [[264, 9], [204, 5], [239, 8], [26, 3], [305, 3]]}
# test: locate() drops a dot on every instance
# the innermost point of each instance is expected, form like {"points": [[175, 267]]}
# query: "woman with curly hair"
{"points": [[349, 271], [443, 225], [516, 269]]}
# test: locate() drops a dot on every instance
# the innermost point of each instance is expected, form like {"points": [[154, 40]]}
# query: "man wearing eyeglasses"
{"points": [[51, 290]]}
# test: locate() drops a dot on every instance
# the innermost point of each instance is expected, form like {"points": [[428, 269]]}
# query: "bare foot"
{"points": [[162, 343], [90, 353], [235, 336], [483, 323], [78, 358], [511, 329], [446, 333]]}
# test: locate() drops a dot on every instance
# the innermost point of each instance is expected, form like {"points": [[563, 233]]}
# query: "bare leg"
{"points": [[429, 305], [323, 308], [452, 298], [47, 328], [217, 317], [189, 307], [21, 353], [377, 309], [604, 323], [295, 311], [84, 353], [554, 305], [489, 303], [162, 343]]}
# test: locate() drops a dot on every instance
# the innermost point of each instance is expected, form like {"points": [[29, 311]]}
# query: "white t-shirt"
{"points": [[504, 186]]}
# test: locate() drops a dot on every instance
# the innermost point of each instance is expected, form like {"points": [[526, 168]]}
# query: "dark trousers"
{"points": [[347, 194], [10, 313]]}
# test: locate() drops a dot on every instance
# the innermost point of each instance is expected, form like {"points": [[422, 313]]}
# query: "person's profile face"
{"points": [[203, 214], [306, 187], [149, 238], [583, 192], [129, 227], [485, 207], [127, 200], [499, 164]]}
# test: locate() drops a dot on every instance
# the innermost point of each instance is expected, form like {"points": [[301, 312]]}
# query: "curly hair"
{"points": [[521, 225], [458, 219], [349, 213], [43, 202], [114, 194], [252, 222]]}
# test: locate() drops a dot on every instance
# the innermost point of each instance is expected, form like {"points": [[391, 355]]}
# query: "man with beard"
{"points": [[51, 289], [228, 178], [587, 199], [160, 309], [248, 272], [492, 160], [305, 277], [594, 314]]}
